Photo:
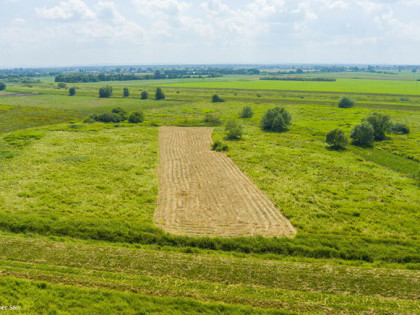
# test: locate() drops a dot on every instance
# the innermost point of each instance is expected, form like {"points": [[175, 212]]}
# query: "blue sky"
{"points": [[83, 32]]}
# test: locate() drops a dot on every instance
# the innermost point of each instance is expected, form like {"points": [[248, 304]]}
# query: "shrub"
{"points": [[61, 85], [216, 98], [120, 111], [276, 119], [212, 120], [233, 130], [346, 102], [337, 139], [144, 95], [72, 91], [136, 117], [159, 94], [88, 121], [362, 134], [126, 92], [381, 124], [105, 91], [400, 128], [247, 112], [219, 146], [2, 86], [109, 117]]}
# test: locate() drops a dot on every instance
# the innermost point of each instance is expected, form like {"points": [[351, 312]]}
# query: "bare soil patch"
{"points": [[203, 193]]}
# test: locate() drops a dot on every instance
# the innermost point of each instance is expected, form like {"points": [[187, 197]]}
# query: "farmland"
{"points": [[77, 200]]}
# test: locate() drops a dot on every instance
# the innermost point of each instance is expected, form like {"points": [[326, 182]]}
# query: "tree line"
{"points": [[157, 75]]}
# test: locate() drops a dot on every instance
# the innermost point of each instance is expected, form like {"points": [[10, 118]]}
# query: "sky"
{"points": [[92, 32]]}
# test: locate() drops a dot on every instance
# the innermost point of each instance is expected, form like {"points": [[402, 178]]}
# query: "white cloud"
{"points": [[211, 30], [71, 9], [18, 22], [156, 7]]}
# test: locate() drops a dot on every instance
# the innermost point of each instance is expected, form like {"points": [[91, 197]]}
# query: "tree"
{"points": [[159, 94], [346, 102], [247, 112], [109, 117], [2, 86], [363, 134], [337, 139], [233, 130], [381, 124], [126, 92], [216, 98], [61, 85], [278, 124], [136, 117], [144, 95], [157, 75], [219, 146], [400, 128], [276, 119], [72, 91], [120, 111], [105, 91]]}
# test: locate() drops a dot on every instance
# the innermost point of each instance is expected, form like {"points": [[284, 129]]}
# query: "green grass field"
{"points": [[341, 85], [77, 202]]}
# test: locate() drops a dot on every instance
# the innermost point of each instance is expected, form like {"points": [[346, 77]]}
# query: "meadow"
{"points": [[77, 200]]}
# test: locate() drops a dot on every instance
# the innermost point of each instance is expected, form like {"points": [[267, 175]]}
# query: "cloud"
{"points": [[218, 30], [84, 24], [157, 7], [72, 9]]}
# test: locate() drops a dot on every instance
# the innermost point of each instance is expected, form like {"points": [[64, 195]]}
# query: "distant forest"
{"points": [[157, 75]]}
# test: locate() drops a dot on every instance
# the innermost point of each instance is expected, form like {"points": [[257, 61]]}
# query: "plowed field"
{"points": [[203, 193]]}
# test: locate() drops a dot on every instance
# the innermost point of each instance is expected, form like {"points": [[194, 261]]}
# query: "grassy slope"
{"points": [[39, 297], [97, 177], [296, 287]]}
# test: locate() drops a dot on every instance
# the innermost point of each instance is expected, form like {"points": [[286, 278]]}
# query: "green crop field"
{"points": [[77, 200], [411, 87]]}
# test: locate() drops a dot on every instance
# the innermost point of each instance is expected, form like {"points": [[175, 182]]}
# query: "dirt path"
{"points": [[203, 193]]}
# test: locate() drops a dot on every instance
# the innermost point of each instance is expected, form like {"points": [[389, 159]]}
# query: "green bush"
{"points": [[159, 94], [144, 95], [233, 130], [362, 134], [72, 91], [61, 85], [219, 146], [276, 119], [216, 98], [247, 112], [400, 128], [212, 119], [337, 139], [105, 91], [120, 111], [109, 117], [136, 117], [381, 124], [126, 92], [346, 102], [2, 86]]}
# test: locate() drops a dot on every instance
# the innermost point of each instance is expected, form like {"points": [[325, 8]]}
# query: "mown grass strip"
{"points": [[39, 297], [234, 271]]}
